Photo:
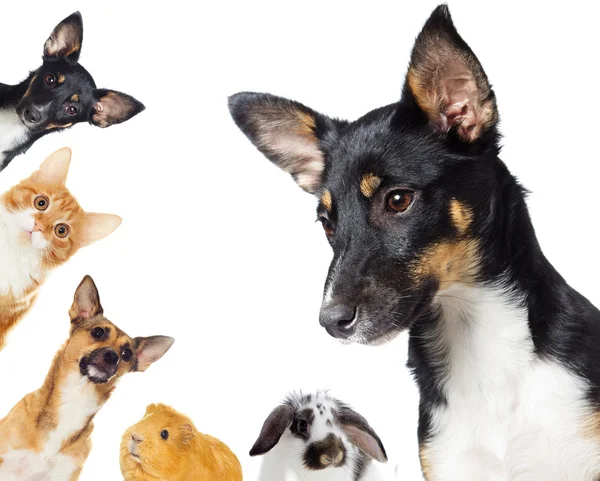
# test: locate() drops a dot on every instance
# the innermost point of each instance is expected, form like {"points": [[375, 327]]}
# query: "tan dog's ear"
{"points": [[187, 433], [150, 349], [86, 302]]}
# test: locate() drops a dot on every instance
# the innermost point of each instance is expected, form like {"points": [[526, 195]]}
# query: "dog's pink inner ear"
{"points": [[86, 302], [448, 82], [65, 40]]}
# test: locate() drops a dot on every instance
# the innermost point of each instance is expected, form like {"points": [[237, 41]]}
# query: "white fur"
{"points": [[78, 402], [284, 461], [511, 415], [20, 252], [12, 132]]}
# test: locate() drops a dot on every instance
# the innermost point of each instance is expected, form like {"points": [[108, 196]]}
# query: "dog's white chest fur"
{"points": [[510, 415], [12, 132], [20, 261]]}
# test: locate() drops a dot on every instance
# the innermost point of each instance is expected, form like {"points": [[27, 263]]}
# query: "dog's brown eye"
{"points": [[72, 110], [399, 200], [61, 230], [126, 355], [41, 202], [98, 333], [327, 226], [50, 79]]}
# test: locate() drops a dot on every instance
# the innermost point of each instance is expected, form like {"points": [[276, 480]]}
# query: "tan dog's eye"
{"points": [[41, 202], [61, 231], [98, 333], [126, 355], [399, 200]]}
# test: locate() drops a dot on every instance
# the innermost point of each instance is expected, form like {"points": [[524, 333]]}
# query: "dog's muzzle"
{"points": [[100, 365]]}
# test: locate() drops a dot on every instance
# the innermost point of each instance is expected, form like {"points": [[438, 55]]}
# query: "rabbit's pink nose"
{"points": [[136, 439]]}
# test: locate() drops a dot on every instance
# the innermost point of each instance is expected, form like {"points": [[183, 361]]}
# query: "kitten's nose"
{"points": [[37, 227]]}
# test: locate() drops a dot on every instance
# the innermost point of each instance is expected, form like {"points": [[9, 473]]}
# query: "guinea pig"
{"points": [[314, 437], [165, 446]]}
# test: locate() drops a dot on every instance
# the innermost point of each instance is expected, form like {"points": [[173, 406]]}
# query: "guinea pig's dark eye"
{"points": [[126, 355], [400, 200], [61, 230], [41, 202], [98, 333], [50, 79], [164, 434], [72, 110]]}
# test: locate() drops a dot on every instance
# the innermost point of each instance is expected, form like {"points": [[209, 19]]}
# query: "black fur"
{"points": [[61, 93], [376, 249]]}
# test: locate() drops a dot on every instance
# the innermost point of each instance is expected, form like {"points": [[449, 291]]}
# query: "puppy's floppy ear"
{"points": [[272, 430], [86, 302], [150, 349], [360, 433], [55, 168], [65, 40], [288, 133], [113, 107], [447, 81]]}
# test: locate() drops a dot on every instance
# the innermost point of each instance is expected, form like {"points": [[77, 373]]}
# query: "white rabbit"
{"points": [[314, 437]]}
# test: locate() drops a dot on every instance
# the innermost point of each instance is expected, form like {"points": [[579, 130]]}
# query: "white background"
{"points": [[219, 249]]}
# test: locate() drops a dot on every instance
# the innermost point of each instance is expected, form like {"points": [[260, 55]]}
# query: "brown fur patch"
{"points": [[369, 184], [425, 464], [326, 200], [52, 126], [448, 262], [28, 93], [75, 98], [461, 215], [61, 78]]}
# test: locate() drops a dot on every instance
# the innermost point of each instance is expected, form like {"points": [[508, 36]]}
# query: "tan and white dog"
{"points": [[46, 436]]}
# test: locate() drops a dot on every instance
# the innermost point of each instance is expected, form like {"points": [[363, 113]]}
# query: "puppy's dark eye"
{"points": [[98, 333], [164, 434], [61, 231], [327, 226], [399, 200], [41, 202], [126, 355], [72, 110], [50, 79]]}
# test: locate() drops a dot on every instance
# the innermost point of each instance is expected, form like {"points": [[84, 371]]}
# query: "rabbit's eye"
{"points": [[302, 427]]}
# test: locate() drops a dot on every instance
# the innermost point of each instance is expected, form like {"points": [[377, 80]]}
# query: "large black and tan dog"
{"points": [[430, 232]]}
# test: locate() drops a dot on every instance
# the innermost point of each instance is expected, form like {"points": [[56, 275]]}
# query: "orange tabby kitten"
{"points": [[41, 227]]}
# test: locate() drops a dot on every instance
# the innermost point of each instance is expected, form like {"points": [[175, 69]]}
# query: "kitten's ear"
{"points": [[86, 302], [447, 81], [150, 349], [55, 168], [98, 226], [288, 133], [114, 107], [65, 40]]}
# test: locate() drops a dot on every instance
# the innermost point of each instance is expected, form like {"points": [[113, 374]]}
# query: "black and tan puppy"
{"points": [[58, 95]]}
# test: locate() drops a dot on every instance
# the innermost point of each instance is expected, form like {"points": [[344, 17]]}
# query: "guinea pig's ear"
{"points": [[150, 349], [187, 433], [272, 430], [152, 408], [360, 433]]}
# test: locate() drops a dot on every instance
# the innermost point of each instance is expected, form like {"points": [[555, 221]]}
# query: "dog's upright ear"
{"points": [[65, 40], [272, 430], [86, 302], [448, 83], [288, 133], [148, 350], [112, 107]]}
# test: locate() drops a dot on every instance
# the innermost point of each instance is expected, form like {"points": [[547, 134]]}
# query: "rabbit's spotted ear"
{"points": [[361, 434], [272, 430]]}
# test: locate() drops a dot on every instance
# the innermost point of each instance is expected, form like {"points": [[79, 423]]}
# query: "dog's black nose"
{"points": [[32, 115], [338, 319], [110, 357]]}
